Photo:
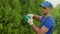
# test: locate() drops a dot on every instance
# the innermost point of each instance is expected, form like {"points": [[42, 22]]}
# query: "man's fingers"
{"points": [[31, 15], [28, 20]]}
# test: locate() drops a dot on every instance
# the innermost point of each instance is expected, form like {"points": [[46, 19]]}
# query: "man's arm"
{"points": [[37, 17], [42, 30]]}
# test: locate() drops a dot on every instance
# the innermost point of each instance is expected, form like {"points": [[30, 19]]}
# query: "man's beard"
{"points": [[45, 13]]}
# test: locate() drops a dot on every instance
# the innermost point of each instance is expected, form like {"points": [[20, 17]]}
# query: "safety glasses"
{"points": [[45, 8]]}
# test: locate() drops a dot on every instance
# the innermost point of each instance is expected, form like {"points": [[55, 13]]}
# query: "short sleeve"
{"points": [[48, 24], [42, 18]]}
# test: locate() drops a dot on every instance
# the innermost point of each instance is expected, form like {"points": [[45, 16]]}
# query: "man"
{"points": [[48, 23]]}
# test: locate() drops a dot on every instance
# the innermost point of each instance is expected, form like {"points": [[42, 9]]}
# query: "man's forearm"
{"points": [[36, 29], [37, 17]]}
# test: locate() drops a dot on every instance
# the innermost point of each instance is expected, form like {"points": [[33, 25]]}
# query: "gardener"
{"points": [[48, 23]]}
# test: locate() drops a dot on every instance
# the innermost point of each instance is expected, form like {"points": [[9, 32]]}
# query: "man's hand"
{"points": [[30, 20], [30, 15]]}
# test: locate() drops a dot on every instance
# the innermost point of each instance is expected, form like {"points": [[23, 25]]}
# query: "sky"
{"points": [[54, 2]]}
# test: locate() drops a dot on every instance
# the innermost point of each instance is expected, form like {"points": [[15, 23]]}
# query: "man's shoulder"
{"points": [[51, 21]]}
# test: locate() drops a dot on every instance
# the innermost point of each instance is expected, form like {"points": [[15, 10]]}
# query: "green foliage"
{"points": [[11, 12], [56, 15]]}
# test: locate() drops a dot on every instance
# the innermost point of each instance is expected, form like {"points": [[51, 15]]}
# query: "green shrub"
{"points": [[11, 12]]}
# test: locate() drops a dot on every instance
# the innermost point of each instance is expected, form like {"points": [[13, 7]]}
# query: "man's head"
{"points": [[46, 7]]}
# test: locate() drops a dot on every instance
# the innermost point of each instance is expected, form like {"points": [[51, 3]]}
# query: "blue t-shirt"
{"points": [[49, 23]]}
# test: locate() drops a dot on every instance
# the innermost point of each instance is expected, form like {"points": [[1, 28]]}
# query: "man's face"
{"points": [[45, 10]]}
